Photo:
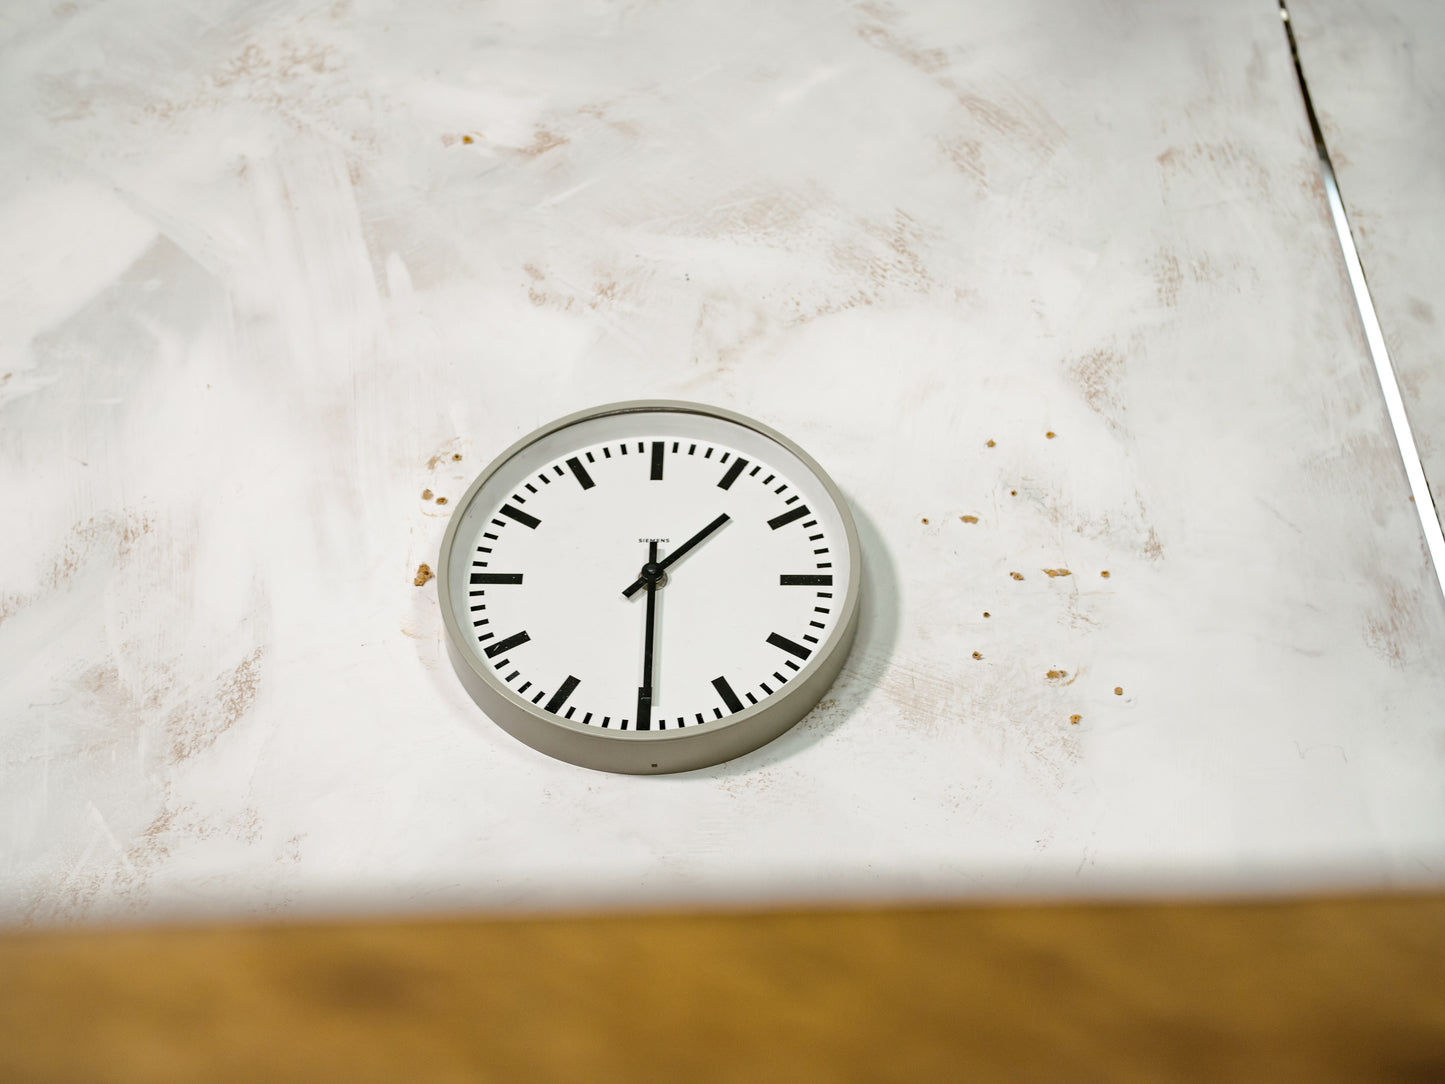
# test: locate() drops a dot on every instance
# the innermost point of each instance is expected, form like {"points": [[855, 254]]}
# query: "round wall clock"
{"points": [[649, 586]]}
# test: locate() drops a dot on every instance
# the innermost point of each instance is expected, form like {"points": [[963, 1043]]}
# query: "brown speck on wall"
{"points": [[1055, 572], [925, 519], [441, 500], [1075, 719], [1013, 493], [988, 444], [426, 494], [1105, 574], [968, 519], [987, 614], [977, 655], [1055, 675], [1017, 575], [456, 457], [1050, 434], [1118, 690], [423, 573]]}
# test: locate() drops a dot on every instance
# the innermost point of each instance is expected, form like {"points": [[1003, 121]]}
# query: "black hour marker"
{"points": [[729, 697], [580, 473], [560, 696], [515, 640], [788, 645], [520, 516], [805, 581], [658, 448], [496, 577], [732, 475], [777, 521]]}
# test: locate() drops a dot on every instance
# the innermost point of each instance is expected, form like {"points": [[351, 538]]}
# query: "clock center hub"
{"points": [[653, 573]]}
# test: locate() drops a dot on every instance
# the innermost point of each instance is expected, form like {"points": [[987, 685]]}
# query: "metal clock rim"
{"points": [[671, 750]]}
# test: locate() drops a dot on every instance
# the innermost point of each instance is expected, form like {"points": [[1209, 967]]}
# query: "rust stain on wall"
{"points": [[111, 534], [543, 140], [1392, 631], [1098, 375], [196, 727], [1167, 279]]}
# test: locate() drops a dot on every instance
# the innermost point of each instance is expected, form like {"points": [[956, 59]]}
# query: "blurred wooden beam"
{"points": [[1301, 990]]}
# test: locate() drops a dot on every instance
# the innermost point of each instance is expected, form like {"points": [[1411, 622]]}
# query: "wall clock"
{"points": [[649, 586]]}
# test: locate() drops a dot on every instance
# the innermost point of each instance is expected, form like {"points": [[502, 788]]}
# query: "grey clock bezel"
{"points": [[656, 752]]}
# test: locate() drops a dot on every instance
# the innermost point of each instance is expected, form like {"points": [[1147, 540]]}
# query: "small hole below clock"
{"points": [[654, 765]]}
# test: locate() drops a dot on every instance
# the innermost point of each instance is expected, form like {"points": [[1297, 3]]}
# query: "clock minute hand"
{"points": [[675, 554], [644, 694]]}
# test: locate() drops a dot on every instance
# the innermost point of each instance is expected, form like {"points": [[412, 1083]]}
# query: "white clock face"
{"points": [[647, 572]]}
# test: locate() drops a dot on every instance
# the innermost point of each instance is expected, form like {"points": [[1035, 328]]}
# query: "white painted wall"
{"points": [[267, 267]]}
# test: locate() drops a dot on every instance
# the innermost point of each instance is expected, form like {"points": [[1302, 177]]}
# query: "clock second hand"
{"points": [[644, 694], [675, 554]]}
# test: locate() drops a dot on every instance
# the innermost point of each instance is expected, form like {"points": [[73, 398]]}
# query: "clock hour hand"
{"points": [[642, 581], [644, 694]]}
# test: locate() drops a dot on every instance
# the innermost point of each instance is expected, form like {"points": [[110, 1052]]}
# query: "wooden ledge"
{"points": [[1321, 990]]}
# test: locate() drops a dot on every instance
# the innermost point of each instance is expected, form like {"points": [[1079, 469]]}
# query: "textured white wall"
{"points": [[1377, 79], [268, 267]]}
